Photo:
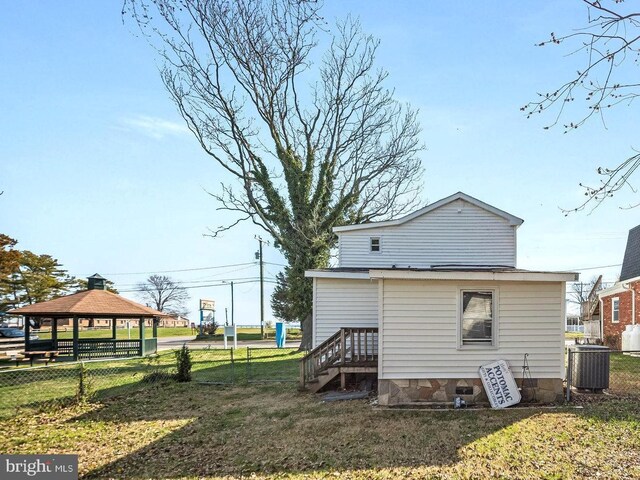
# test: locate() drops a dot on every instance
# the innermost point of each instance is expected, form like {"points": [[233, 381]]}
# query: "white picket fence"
{"points": [[574, 328]]}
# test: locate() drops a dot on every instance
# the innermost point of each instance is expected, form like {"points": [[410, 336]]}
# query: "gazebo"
{"points": [[96, 302]]}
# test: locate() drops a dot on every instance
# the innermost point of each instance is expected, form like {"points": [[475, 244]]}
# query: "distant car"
{"points": [[15, 333]]}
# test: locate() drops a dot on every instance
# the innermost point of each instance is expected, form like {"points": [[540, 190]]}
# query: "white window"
{"points": [[477, 317], [375, 245], [615, 310]]}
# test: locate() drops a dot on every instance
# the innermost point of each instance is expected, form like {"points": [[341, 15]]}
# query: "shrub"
{"points": [[210, 327], [613, 341], [85, 390], [183, 361], [157, 376], [156, 373]]}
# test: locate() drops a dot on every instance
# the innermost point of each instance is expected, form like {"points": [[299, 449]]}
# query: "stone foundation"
{"points": [[396, 392]]}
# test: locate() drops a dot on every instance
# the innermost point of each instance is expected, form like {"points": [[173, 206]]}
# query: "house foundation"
{"points": [[471, 390]]}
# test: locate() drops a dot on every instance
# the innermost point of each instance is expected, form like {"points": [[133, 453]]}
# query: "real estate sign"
{"points": [[208, 305], [499, 384]]}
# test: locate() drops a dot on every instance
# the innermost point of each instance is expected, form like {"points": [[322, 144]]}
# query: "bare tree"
{"points": [[580, 291], [164, 294], [310, 141], [609, 46]]}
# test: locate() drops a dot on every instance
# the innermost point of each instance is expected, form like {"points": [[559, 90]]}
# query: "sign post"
{"points": [[231, 331], [206, 306]]}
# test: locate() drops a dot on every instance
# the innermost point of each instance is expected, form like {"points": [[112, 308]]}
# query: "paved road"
{"points": [[173, 343]]}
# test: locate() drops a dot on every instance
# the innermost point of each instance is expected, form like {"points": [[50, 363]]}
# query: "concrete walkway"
{"points": [[174, 343]]}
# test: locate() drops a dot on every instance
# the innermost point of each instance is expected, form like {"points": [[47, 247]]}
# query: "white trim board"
{"points": [[474, 275], [338, 274], [617, 287]]}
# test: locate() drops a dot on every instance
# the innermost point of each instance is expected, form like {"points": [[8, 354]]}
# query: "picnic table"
{"points": [[46, 355], [13, 355]]}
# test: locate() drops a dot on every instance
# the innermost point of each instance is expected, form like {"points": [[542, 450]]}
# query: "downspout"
{"points": [[630, 289], [601, 319]]}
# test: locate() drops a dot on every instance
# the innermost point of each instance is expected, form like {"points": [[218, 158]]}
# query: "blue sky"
{"points": [[99, 171]]}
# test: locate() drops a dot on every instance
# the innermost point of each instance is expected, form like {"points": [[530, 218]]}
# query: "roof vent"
{"points": [[96, 282]]}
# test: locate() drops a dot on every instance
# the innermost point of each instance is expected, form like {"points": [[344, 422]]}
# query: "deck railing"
{"points": [[348, 346]]}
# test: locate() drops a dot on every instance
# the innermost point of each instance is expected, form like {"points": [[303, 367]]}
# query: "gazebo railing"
{"points": [[100, 348], [35, 345]]}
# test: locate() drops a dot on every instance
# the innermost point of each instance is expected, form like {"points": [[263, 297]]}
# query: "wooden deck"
{"points": [[349, 350]]}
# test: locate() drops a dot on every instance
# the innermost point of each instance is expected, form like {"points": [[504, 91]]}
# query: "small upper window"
{"points": [[615, 310], [375, 244], [477, 318]]}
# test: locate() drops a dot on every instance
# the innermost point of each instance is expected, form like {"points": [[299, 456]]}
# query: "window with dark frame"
{"points": [[476, 323], [375, 244]]}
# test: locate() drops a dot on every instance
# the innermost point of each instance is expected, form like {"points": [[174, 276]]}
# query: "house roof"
{"points": [[512, 219], [631, 262], [472, 272], [88, 303]]}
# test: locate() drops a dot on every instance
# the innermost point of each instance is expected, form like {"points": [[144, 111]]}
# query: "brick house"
{"points": [[620, 304]]}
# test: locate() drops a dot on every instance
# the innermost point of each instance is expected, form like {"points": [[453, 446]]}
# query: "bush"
{"points": [[156, 373], [183, 361], [157, 376], [84, 391], [210, 327]]}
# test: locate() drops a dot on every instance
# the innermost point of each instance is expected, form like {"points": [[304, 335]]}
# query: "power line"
{"points": [[207, 286], [208, 278], [183, 269], [186, 283], [276, 264], [594, 268]]}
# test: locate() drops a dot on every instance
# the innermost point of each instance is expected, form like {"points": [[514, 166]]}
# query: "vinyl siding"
{"points": [[419, 329], [343, 303], [473, 236]]}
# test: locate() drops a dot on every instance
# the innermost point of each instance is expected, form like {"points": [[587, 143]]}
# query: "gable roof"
{"points": [[512, 219], [88, 303], [631, 262]]}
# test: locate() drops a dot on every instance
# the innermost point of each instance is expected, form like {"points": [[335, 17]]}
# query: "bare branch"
{"points": [[610, 48], [302, 160]]}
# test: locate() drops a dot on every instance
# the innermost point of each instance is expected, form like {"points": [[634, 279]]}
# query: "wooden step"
{"points": [[318, 383]]}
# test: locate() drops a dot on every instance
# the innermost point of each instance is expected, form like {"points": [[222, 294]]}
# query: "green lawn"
{"points": [[193, 430], [252, 334], [136, 429], [121, 333], [57, 384], [624, 374], [573, 335]]}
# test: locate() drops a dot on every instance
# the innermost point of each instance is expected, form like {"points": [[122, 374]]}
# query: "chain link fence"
{"points": [[215, 366], [63, 383], [266, 365], [598, 373]]}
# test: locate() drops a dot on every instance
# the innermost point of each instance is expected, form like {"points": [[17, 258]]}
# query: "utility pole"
{"points": [[259, 257]]}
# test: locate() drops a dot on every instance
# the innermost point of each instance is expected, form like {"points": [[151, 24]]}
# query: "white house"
{"points": [[426, 299]]}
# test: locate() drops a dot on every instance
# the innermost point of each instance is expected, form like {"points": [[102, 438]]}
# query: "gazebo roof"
{"points": [[88, 303]]}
